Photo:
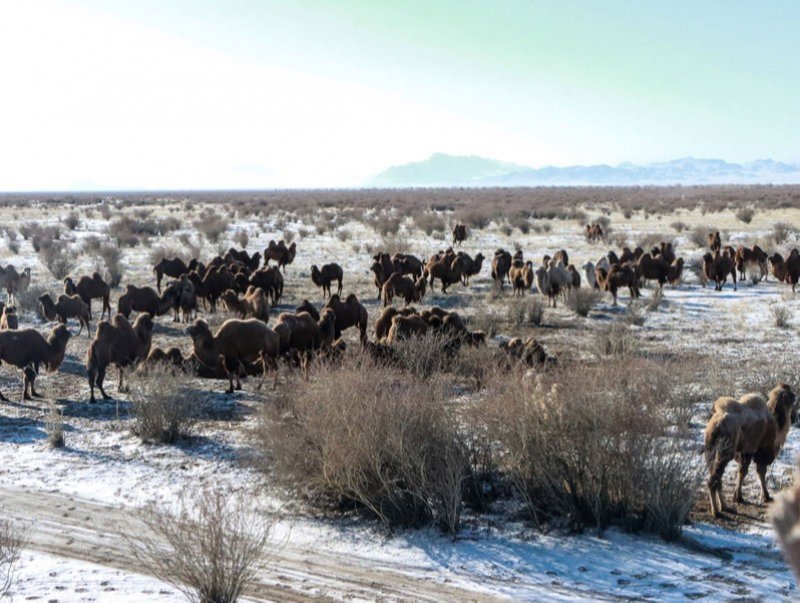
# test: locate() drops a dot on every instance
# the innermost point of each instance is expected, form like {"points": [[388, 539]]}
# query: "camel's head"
{"points": [[782, 397], [59, 336], [198, 330]]}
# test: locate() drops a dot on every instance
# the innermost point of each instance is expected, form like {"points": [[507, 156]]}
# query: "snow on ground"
{"points": [[105, 463], [40, 575]]}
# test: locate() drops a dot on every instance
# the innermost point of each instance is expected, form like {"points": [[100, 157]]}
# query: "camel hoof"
{"points": [[26, 397]]}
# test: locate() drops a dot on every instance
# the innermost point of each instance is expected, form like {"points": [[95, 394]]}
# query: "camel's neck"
{"points": [[55, 355]]}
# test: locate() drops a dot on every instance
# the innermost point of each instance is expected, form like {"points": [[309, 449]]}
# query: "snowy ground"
{"points": [[76, 493]]}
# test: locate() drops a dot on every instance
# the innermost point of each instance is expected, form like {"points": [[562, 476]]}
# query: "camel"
{"points": [[270, 280], [653, 268], [8, 319], [119, 343], [145, 299], [408, 264], [467, 266], [750, 429], [529, 352], [501, 264], [280, 254], [714, 241], [617, 277], [236, 343], [459, 234], [325, 276], [786, 271], [28, 349], [594, 233], [447, 269], [174, 268], [350, 313], [405, 287], [89, 288], [718, 267], [66, 307], [254, 304], [521, 275], [756, 256]]}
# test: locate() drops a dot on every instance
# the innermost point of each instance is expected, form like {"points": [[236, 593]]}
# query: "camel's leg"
{"points": [[712, 495], [25, 385], [121, 387], [744, 467], [762, 477], [101, 375]]}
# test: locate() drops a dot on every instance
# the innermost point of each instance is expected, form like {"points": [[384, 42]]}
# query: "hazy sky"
{"points": [[250, 94]]}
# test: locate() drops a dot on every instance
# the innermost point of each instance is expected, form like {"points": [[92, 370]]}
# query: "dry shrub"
{"points": [[164, 250], [594, 447], [241, 238], [699, 236], [129, 231], [782, 316], [28, 301], [781, 232], [59, 261], [375, 439], [109, 264], [745, 214], [72, 221], [54, 427], [210, 550], [91, 245], [525, 310], [429, 222], [11, 542], [212, 225], [581, 301], [426, 355], [655, 301], [616, 339], [42, 237], [695, 266], [476, 217], [162, 405], [679, 226], [652, 239]]}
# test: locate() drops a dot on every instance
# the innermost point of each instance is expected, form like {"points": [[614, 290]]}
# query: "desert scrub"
{"points": [[210, 550], [599, 450], [162, 405], [372, 439], [581, 301]]}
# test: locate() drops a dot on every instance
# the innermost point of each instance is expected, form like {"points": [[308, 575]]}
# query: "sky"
{"points": [[201, 94]]}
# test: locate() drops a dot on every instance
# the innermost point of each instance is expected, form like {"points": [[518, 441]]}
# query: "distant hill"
{"points": [[452, 170]]}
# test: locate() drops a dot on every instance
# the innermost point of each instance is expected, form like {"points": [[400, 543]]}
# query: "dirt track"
{"points": [[79, 529]]}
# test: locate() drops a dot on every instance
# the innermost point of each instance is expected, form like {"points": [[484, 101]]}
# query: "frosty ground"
{"points": [[75, 501]]}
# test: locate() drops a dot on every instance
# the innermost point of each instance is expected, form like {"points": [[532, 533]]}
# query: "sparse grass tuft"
{"points": [[162, 406], [782, 316], [581, 301], [54, 427], [745, 214]]}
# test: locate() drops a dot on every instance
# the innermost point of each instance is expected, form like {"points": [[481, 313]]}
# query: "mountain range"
{"points": [[453, 170]]}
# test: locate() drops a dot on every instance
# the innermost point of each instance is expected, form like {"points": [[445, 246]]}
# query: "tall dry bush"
{"points": [[210, 550], [59, 260], [11, 542], [594, 447], [370, 438], [162, 405], [108, 263]]}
